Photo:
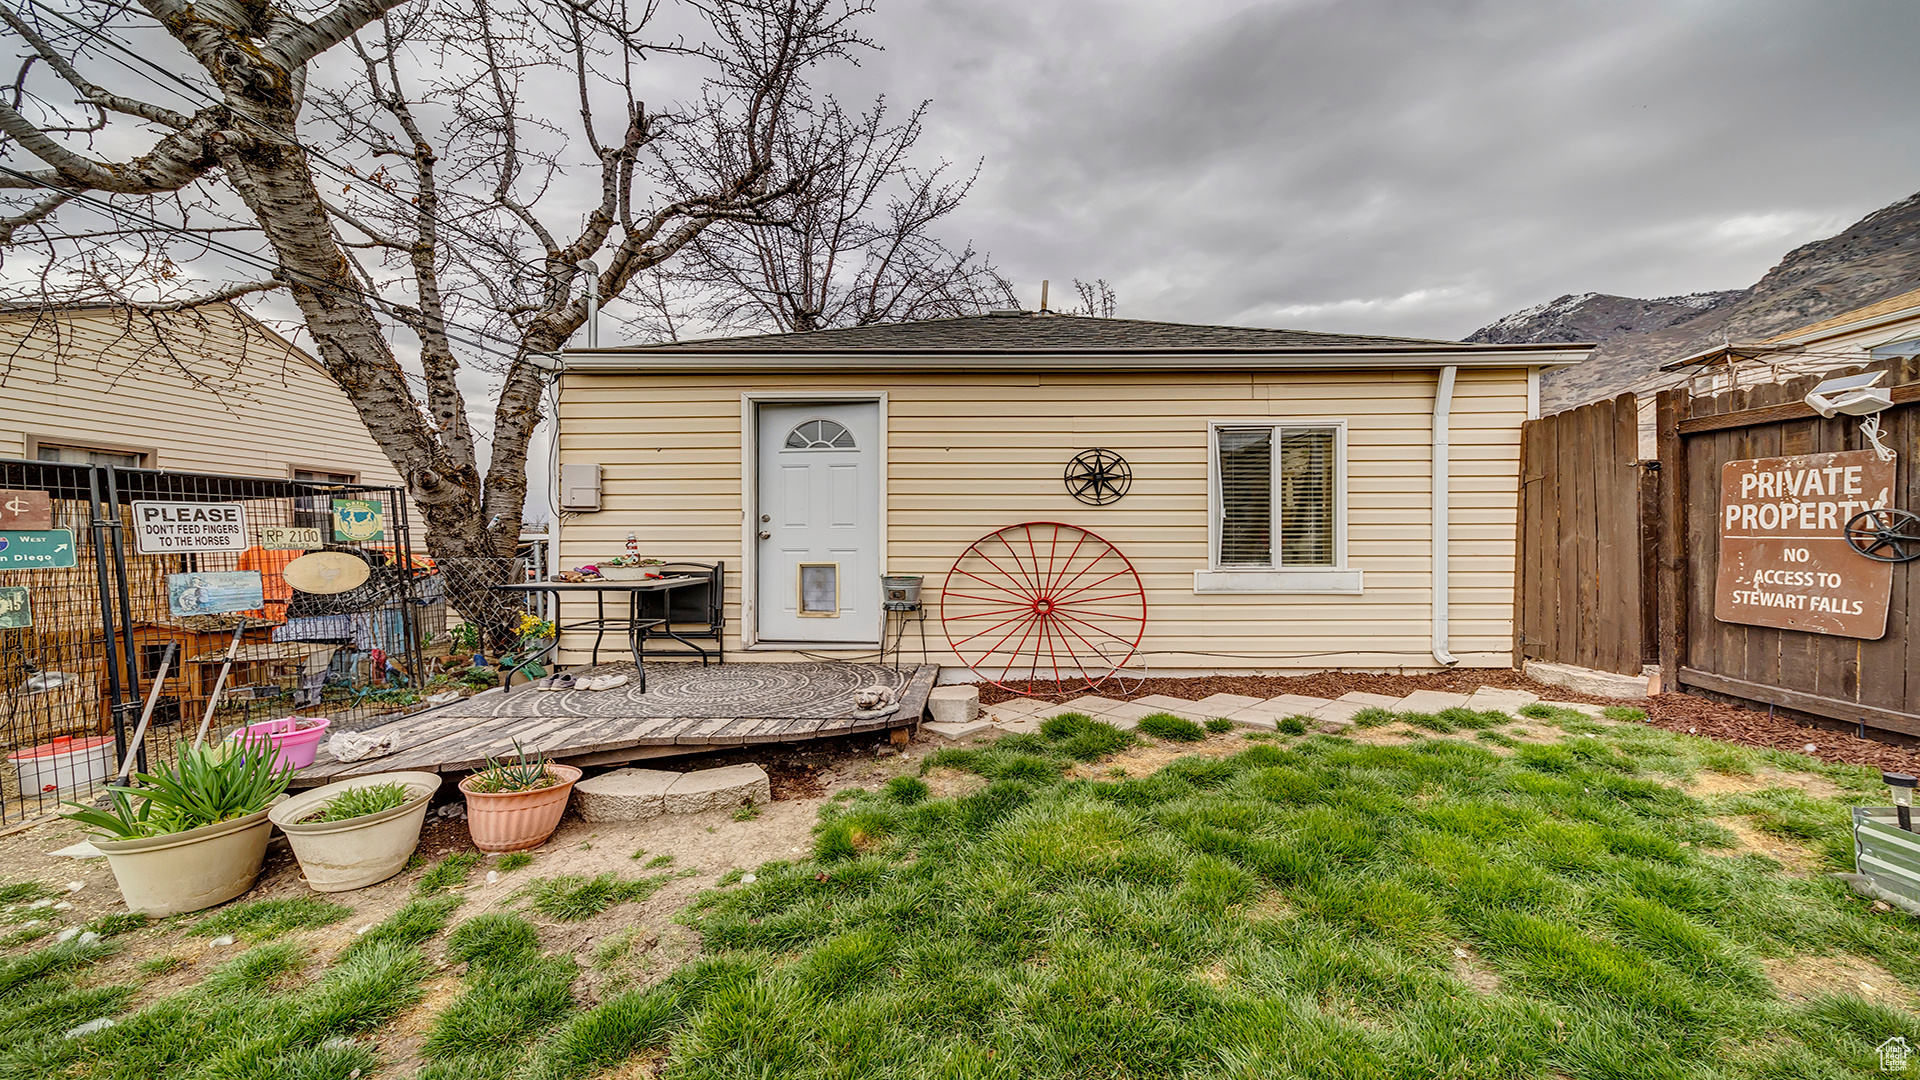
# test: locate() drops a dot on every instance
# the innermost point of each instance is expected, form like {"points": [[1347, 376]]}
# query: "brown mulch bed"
{"points": [[1675, 712], [1730, 723]]}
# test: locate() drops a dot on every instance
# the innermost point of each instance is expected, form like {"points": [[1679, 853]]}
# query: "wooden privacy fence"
{"points": [[1619, 559], [1580, 595]]}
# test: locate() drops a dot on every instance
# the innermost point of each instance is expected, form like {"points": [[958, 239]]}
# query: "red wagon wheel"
{"points": [[1043, 601]]}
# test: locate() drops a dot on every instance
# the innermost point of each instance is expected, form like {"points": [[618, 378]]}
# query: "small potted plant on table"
{"points": [[193, 833], [516, 805], [353, 833]]}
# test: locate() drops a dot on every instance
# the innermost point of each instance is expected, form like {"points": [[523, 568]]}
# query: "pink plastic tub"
{"points": [[295, 738]]}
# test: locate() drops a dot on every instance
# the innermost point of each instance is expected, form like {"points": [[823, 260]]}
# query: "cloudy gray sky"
{"points": [[1405, 166]]}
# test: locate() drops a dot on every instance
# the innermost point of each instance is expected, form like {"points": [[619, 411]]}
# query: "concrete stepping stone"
{"points": [[1598, 712], [1332, 726], [624, 795], [956, 732], [1428, 701], [1127, 710], [1377, 701], [1264, 719], [1225, 704], [1167, 703], [717, 789], [1090, 704], [954, 704], [1018, 709], [1340, 712], [1300, 703], [1023, 726], [1494, 699]]}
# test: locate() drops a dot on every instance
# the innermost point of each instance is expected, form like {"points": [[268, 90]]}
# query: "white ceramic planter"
{"points": [[187, 871], [337, 856]]}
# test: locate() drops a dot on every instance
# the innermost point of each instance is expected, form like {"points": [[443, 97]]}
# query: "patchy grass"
{"points": [[1472, 905], [449, 873], [1171, 728], [1292, 725], [1219, 725], [270, 918], [25, 892], [571, 897], [513, 860]]}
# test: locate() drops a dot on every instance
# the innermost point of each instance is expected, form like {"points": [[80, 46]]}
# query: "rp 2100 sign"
{"points": [[1784, 559]]}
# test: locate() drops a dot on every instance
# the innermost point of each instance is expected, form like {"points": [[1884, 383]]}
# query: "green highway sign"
{"points": [[51, 549]]}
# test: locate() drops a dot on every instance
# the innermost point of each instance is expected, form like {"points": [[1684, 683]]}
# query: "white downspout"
{"points": [[1442, 471]]}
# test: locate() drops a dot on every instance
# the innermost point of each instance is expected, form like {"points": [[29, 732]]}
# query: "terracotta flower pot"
{"points": [[517, 820]]}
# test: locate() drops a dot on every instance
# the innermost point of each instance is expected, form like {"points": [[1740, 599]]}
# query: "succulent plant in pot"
{"points": [[514, 805], [352, 833], [192, 833]]}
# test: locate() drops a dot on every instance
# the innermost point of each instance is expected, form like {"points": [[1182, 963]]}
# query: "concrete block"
{"points": [[1588, 681], [1225, 704], [718, 789], [1378, 701], [1256, 718], [1428, 701], [1024, 726], [956, 732], [954, 704], [1494, 699], [1331, 726], [623, 795]]}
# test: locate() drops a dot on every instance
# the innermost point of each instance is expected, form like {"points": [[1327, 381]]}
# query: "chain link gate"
{"points": [[84, 632]]}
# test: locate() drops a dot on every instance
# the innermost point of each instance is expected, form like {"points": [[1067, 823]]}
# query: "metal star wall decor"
{"points": [[1098, 477]]}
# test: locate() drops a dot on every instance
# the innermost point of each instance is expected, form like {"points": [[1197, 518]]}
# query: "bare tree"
{"points": [[1097, 299], [853, 247], [421, 185]]}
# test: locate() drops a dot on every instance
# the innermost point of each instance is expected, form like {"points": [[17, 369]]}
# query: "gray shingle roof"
{"points": [[1032, 332]]}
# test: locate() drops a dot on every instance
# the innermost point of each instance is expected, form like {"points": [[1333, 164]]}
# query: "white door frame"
{"points": [[750, 402]]}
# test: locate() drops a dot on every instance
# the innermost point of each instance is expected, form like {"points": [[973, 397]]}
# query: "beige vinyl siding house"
{"points": [[979, 418], [207, 390]]}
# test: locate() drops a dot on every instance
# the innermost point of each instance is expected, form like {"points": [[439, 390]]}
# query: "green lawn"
{"points": [[1488, 900]]}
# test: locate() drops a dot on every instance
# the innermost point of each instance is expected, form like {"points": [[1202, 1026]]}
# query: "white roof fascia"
{"points": [[643, 360]]}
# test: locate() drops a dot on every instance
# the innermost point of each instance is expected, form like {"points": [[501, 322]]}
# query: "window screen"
{"points": [[1307, 478], [1246, 496], [1278, 489]]}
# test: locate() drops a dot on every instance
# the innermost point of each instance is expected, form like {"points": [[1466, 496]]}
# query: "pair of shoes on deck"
{"points": [[564, 681]]}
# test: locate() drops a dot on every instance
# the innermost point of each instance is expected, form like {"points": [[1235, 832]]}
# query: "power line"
{"points": [[275, 269]]}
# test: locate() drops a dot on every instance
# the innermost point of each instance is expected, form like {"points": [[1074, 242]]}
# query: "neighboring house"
{"points": [[1877, 331], [1280, 514], [206, 390]]}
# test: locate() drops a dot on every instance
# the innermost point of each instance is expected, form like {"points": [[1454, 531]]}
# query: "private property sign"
{"points": [[163, 527], [1784, 559]]}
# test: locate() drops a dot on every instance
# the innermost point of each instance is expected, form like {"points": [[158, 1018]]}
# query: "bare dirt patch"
{"points": [[1800, 977], [1152, 756], [945, 783], [1470, 969], [1792, 858], [1716, 783]]}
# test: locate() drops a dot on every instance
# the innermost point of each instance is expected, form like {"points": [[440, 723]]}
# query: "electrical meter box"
{"points": [[579, 487]]}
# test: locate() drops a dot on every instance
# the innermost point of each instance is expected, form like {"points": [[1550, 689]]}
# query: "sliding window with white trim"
{"points": [[1277, 508]]}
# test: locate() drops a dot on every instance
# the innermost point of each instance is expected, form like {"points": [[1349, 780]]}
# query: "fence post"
{"points": [[102, 518], [116, 533], [1669, 408]]}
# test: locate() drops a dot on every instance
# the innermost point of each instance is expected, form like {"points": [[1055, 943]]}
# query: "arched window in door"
{"points": [[819, 435]]}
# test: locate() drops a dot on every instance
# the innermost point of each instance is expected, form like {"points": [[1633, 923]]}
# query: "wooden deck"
{"points": [[687, 709]]}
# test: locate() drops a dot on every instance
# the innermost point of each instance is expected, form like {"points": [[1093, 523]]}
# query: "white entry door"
{"points": [[819, 523]]}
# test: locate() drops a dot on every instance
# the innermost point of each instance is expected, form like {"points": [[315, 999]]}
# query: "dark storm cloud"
{"points": [[1413, 167]]}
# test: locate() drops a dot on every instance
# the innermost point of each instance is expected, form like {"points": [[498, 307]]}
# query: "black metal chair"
{"points": [[693, 612]]}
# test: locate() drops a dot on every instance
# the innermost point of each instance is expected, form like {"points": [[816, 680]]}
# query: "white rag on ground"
{"points": [[359, 745]]}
